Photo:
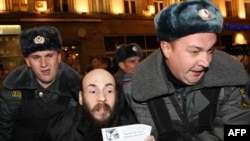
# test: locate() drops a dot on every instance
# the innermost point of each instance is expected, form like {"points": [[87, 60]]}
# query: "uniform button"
{"points": [[179, 96], [40, 94]]}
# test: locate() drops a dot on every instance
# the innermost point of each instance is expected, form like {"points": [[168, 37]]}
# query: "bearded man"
{"points": [[98, 108]]}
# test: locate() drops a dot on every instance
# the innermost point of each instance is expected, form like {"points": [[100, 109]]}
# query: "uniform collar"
{"points": [[23, 78], [151, 83]]}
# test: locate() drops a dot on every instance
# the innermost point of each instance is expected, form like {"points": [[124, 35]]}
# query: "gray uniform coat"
{"points": [[149, 81]]}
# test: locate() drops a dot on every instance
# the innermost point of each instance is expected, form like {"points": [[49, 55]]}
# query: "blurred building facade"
{"points": [[96, 27]]}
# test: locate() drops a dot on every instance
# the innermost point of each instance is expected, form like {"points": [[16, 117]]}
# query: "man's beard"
{"points": [[97, 123]]}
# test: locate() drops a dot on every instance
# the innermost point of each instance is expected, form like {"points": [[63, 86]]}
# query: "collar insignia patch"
{"points": [[16, 94]]}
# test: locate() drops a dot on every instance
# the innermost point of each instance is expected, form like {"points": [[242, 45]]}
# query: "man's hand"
{"points": [[150, 138]]}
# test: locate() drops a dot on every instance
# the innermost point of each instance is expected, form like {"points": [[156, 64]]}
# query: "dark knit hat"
{"points": [[125, 51], [237, 49], [187, 17], [39, 39]]}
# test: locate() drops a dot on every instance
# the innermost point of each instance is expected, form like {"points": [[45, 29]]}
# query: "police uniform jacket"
{"points": [[26, 107], [150, 81]]}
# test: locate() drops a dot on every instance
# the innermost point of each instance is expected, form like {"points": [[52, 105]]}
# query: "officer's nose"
{"points": [[43, 61], [205, 60]]}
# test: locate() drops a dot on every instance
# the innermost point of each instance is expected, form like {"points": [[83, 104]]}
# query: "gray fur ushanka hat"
{"points": [[39, 39], [187, 17], [125, 51]]}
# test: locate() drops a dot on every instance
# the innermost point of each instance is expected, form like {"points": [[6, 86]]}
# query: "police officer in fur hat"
{"points": [[35, 93], [238, 52], [127, 58], [186, 89]]}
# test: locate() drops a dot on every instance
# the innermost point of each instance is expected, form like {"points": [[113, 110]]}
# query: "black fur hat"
{"points": [[187, 17], [39, 39], [125, 51], [238, 49]]}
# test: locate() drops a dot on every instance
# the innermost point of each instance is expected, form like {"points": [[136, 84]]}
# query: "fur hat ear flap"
{"points": [[188, 17], [39, 39]]}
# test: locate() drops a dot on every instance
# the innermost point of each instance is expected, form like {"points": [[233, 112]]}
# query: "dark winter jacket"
{"points": [[72, 125], [25, 103]]}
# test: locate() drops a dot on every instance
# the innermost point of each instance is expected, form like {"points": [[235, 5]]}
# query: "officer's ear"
{"points": [[166, 48], [121, 65], [80, 98], [27, 61]]}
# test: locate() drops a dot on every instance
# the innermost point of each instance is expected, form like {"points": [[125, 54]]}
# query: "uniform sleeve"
{"points": [[230, 111], [9, 106], [125, 104]]}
